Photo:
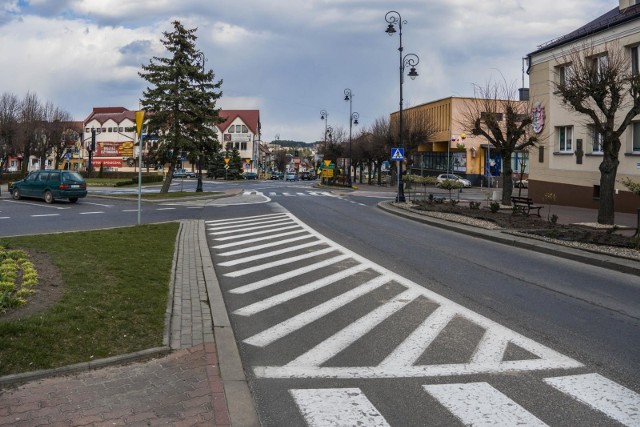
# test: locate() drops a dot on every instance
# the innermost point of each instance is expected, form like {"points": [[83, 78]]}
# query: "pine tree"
{"points": [[235, 164], [181, 100]]}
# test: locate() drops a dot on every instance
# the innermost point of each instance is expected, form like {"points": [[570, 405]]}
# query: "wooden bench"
{"points": [[525, 206]]}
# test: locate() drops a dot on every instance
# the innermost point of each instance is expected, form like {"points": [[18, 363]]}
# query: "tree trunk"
{"points": [[507, 178], [608, 171], [167, 179]]}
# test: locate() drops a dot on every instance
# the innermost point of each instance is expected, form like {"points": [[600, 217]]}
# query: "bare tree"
{"points": [[418, 130], [601, 85], [9, 116], [31, 127], [58, 133], [495, 114], [381, 144]]}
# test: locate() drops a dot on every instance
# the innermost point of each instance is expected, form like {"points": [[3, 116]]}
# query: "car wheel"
{"points": [[16, 194], [48, 197], [73, 199]]}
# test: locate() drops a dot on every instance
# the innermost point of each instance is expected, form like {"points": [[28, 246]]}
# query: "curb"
{"points": [[618, 264]]}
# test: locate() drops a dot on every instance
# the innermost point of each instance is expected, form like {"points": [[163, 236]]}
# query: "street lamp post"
{"points": [[201, 57], [324, 116], [353, 120], [410, 59]]}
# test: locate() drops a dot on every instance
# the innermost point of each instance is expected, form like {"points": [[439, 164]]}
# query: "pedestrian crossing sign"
{"points": [[397, 153]]}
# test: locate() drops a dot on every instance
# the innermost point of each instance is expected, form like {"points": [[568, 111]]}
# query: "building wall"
{"points": [[574, 176]]}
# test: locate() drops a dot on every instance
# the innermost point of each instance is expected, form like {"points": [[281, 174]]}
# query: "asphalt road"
{"points": [[347, 314]]}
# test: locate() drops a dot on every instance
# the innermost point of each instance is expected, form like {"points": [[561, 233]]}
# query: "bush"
{"points": [[494, 206], [474, 205]]}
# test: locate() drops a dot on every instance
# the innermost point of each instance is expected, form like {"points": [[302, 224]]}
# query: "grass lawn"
{"points": [[115, 290]]}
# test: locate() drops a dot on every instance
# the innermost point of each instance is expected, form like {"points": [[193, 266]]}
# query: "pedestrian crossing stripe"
{"points": [[474, 404], [488, 356], [397, 154]]}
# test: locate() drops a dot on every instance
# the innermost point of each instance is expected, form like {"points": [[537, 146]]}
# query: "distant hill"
{"points": [[293, 144]]}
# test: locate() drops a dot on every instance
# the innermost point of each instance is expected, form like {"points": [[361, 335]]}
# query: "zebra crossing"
{"points": [[274, 261], [307, 193]]}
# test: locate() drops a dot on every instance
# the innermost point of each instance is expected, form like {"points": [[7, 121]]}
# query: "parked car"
{"points": [[521, 183], [250, 175], [277, 175], [308, 176], [50, 185], [291, 176], [183, 173], [452, 177]]}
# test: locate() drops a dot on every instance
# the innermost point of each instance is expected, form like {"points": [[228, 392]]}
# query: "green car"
{"points": [[50, 185]]}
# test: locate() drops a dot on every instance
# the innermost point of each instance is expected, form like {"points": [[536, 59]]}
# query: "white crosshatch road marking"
{"points": [[488, 356]]}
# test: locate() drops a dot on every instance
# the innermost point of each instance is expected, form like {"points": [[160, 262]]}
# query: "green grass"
{"points": [[115, 294]]}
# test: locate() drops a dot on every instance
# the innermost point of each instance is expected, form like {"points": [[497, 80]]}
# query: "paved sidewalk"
{"points": [[200, 383]]}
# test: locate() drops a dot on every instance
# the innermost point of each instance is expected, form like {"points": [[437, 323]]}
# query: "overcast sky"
{"points": [[288, 58]]}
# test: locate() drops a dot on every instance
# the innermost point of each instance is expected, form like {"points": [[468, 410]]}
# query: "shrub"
{"points": [[494, 206], [474, 205]]}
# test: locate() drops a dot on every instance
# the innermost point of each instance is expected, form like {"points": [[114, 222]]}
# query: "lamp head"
{"points": [[390, 29], [355, 122], [413, 73], [322, 117], [346, 97]]}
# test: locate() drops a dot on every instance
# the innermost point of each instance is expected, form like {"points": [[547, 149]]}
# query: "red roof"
{"points": [[251, 118], [117, 114]]}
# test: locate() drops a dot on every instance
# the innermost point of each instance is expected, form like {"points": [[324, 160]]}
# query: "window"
{"points": [[110, 130], [243, 145], [244, 129], [565, 73], [497, 116], [597, 140], [236, 146], [565, 139], [636, 138], [87, 130], [120, 129], [602, 65], [635, 60]]}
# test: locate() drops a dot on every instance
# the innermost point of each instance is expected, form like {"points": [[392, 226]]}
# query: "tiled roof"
{"points": [[117, 114], [610, 19], [251, 118]]}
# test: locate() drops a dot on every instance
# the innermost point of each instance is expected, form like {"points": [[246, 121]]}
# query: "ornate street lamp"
{"points": [[393, 18], [353, 120], [200, 56]]}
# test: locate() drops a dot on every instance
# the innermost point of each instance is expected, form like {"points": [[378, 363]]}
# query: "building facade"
{"points": [[115, 130], [241, 130], [570, 152], [450, 145]]}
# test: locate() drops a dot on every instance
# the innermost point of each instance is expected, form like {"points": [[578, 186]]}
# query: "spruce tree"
{"points": [[181, 100]]}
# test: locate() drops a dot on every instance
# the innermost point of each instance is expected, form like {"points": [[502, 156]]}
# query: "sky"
{"points": [[290, 59]]}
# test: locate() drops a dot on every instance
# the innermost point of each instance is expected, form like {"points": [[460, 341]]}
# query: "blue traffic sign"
{"points": [[397, 153]]}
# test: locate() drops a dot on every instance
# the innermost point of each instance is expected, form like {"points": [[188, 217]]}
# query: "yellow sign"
{"points": [[327, 162], [226, 160], [139, 120], [327, 173]]}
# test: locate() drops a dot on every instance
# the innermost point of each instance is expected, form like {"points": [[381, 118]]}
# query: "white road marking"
{"points": [[5, 217], [231, 224], [165, 209], [255, 233], [278, 263], [229, 229], [91, 213], [288, 275], [43, 215], [487, 358], [479, 404], [347, 336], [602, 394], [129, 210], [263, 246], [268, 254], [415, 345], [337, 407], [299, 291], [303, 319], [259, 239], [97, 204]]}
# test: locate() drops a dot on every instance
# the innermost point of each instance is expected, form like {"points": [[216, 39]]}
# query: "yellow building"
{"points": [[567, 162], [450, 147]]}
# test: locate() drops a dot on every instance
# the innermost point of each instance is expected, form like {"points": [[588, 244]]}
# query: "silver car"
{"points": [[452, 177]]}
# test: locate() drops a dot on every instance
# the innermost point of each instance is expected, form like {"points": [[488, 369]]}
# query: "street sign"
{"points": [[397, 153], [327, 163], [226, 160]]}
